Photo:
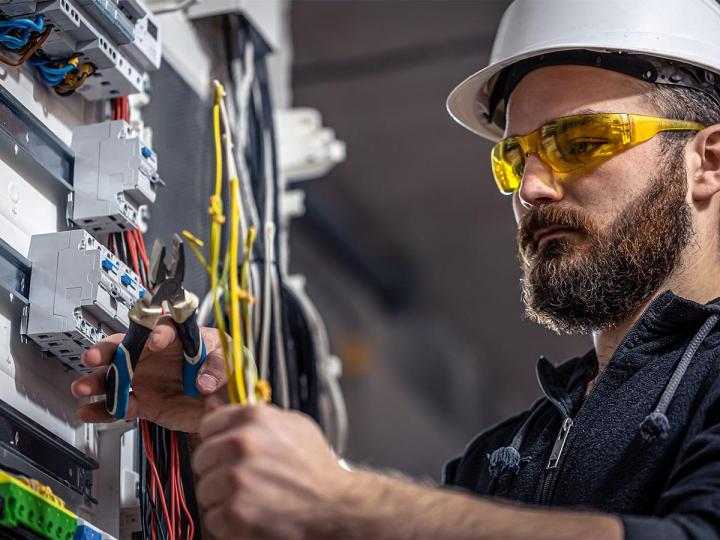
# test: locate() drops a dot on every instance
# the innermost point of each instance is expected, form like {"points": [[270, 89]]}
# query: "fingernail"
{"points": [[207, 382]]}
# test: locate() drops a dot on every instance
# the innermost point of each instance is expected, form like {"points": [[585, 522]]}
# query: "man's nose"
{"points": [[539, 184]]}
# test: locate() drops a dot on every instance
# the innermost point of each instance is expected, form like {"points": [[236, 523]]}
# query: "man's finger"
{"points": [[215, 486], [212, 374], [89, 385], [162, 335], [102, 352], [229, 416], [95, 412], [230, 446], [214, 521]]}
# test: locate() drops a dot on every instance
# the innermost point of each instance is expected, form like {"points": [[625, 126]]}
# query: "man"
{"points": [[612, 154]]}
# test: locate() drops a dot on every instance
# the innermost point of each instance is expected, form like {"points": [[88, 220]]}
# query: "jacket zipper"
{"points": [[552, 469], [552, 466]]}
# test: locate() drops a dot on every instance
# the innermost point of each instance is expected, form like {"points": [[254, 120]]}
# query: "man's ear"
{"points": [[703, 162]]}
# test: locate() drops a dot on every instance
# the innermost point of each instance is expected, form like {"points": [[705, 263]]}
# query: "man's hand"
{"points": [[157, 381], [264, 472], [267, 473]]}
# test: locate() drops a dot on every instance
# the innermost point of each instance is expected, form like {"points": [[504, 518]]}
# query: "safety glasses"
{"points": [[566, 144]]}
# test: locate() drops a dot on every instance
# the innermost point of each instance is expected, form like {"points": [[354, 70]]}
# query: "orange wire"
{"points": [[156, 477], [173, 487], [191, 524], [140, 243], [132, 249]]}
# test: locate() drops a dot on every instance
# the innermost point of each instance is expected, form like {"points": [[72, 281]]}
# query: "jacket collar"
{"points": [[668, 319]]}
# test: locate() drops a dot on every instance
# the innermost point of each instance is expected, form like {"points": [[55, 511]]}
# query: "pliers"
{"points": [[165, 287]]}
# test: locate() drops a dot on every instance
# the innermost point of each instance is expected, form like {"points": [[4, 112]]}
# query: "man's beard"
{"points": [[604, 277]]}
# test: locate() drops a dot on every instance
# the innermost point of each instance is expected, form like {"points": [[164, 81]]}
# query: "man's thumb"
{"points": [[212, 374]]}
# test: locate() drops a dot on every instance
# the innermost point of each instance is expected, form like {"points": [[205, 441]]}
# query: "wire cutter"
{"points": [[165, 287]]}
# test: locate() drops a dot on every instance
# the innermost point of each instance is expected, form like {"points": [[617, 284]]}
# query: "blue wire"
{"points": [[51, 81], [42, 64], [37, 25], [24, 26], [49, 75], [14, 42]]}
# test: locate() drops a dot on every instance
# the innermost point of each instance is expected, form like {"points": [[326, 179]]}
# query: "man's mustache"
{"points": [[549, 216]]}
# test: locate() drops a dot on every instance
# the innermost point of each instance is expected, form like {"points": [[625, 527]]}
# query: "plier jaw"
{"points": [[166, 281]]}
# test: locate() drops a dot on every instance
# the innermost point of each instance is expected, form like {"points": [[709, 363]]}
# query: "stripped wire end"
{"points": [[192, 238]]}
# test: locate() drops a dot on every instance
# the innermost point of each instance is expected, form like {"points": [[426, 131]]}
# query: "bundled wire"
{"points": [[164, 508], [230, 290], [22, 38], [63, 75], [292, 351]]}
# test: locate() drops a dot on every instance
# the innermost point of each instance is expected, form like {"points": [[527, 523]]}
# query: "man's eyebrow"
{"points": [[581, 111], [586, 111]]}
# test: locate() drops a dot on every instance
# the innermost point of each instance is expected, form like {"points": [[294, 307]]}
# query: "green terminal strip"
{"points": [[21, 506]]}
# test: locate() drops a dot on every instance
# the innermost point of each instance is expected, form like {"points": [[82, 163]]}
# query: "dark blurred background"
{"points": [[408, 248]]}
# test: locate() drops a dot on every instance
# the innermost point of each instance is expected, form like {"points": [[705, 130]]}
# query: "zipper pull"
{"points": [[560, 443]]}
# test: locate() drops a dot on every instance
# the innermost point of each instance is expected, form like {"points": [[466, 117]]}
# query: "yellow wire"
{"points": [[194, 243], [218, 219], [237, 341], [235, 294]]}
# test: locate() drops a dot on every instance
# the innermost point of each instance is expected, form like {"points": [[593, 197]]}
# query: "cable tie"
{"points": [[263, 391]]}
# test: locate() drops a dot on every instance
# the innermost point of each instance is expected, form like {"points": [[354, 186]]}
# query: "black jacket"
{"points": [[644, 445]]}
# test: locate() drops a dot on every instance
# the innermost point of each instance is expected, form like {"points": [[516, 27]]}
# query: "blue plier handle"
{"points": [[144, 315], [184, 314], [118, 378]]}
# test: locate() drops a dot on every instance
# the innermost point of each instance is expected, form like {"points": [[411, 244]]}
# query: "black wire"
{"points": [[142, 469], [267, 116], [122, 247]]}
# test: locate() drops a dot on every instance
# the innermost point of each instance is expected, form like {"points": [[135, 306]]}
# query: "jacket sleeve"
{"points": [[689, 507]]}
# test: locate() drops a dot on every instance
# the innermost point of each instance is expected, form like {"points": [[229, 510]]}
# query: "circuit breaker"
{"points": [[79, 294], [115, 174]]}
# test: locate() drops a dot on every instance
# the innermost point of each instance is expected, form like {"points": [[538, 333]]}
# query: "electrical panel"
{"points": [[79, 294], [122, 44], [115, 174]]}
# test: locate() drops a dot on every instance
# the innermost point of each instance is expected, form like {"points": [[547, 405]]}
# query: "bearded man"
{"points": [[608, 120]]}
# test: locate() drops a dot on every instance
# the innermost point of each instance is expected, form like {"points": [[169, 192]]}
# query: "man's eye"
{"points": [[519, 168], [583, 146]]}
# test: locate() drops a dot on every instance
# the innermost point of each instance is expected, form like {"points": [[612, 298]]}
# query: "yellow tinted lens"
{"points": [[573, 141], [508, 164]]}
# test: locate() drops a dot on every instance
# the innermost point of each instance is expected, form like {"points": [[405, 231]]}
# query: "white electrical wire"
{"points": [[205, 310], [267, 301], [283, 398], [329, 369]]}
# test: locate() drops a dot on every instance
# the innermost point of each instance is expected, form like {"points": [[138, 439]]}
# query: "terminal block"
{"points": [[95, 31], [79, 294], [115, 174], [28, 510]]}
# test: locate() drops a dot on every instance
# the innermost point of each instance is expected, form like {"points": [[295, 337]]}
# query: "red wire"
{"points": [[155, 476], [140, 243], [114, 103], [178, 505], [181, 495], [174, 514], [132, 248]]}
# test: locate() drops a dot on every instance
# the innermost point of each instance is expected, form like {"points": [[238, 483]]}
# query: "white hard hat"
{"points": [[663, 41]]}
